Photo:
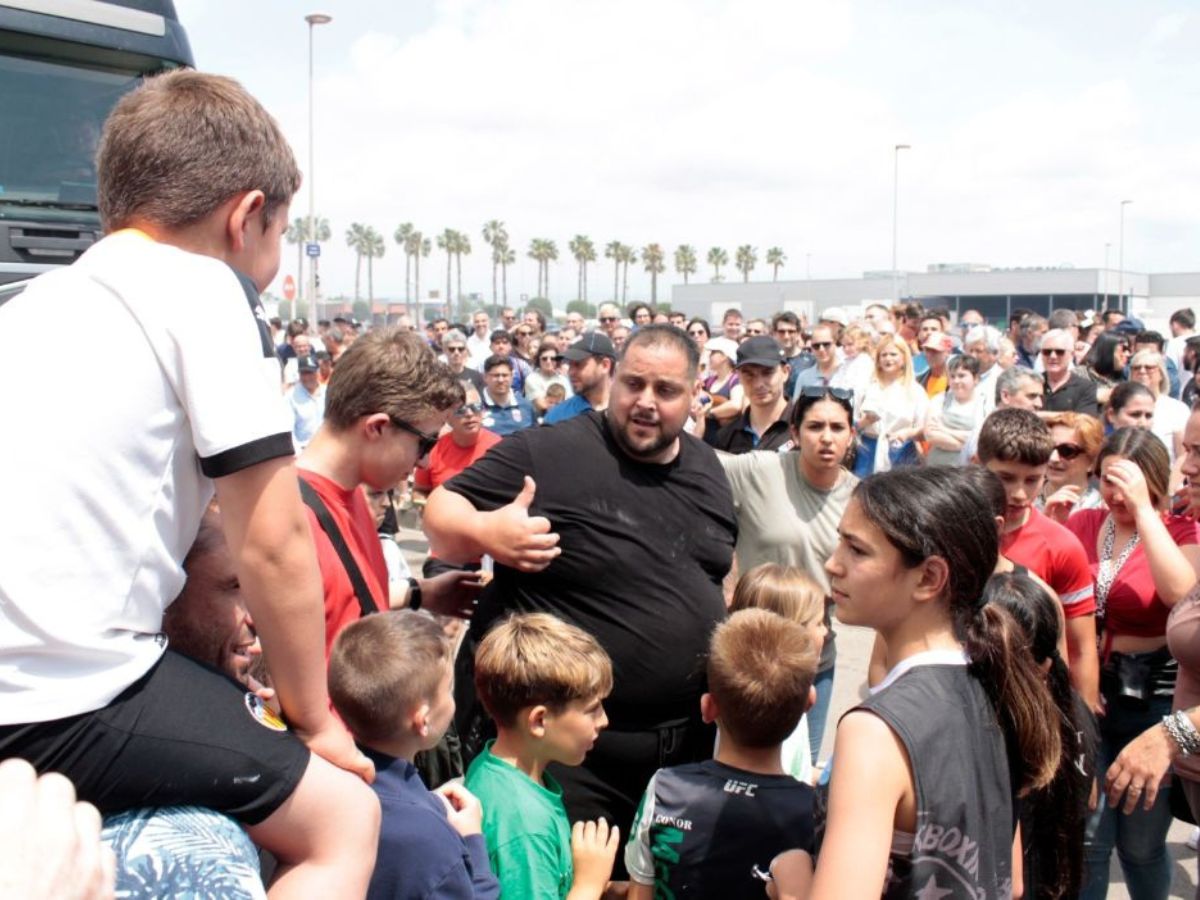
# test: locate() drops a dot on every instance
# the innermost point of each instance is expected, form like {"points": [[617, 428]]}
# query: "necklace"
{"points": [[1106, 573]]}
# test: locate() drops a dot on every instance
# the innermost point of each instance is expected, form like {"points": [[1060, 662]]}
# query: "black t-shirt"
{"points": [[1077, 395], [735, 436], [644, 550]]}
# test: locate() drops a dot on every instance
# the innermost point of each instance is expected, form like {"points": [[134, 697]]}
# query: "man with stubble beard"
{"points": [[622, 524]]}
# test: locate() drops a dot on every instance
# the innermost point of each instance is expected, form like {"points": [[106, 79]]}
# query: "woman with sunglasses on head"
{"points": [[1145, 561], [548, 372], [1070, 486], [1148, 367], [1105, 363], [925, 772], [955, 415], [890, 413], [788, 506]]}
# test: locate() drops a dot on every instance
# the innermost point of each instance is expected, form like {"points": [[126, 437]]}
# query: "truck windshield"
{"points": [[52, 117]]}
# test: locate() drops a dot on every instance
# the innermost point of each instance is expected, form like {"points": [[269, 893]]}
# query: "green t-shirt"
{"points": [[526, 828]]}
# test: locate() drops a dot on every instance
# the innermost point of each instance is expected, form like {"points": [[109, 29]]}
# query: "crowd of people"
{"points": [[612, 675]]}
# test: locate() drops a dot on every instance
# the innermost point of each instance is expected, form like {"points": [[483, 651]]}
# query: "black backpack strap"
{"points": [[314, 502]]}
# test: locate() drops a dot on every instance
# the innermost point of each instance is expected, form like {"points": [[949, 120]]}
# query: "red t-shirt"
{"points": [[447, 459], [353, 517], [1055, 555], [1132, 606]]}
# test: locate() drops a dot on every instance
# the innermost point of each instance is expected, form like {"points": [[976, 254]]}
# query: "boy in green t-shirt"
{"points": [[543, 682]]}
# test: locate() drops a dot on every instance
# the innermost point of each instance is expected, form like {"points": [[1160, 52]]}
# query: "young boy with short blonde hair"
{"points": [[714, 828], [543, 682], [391, 680]]}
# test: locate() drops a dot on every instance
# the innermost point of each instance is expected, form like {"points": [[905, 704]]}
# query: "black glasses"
{"points": [[1068, 451], [818, 391], [1053, 351], [456, 349], [550, 356], [822, 345], [468, 409], [524, 334], [425, 442], [608, 318]]}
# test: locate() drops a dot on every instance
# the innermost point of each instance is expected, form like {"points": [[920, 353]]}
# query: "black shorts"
{"points": [[181, 734]]}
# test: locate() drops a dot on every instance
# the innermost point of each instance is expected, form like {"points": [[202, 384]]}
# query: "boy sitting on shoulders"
{"points": [[543, 682], [390, 680], [714, 828]]}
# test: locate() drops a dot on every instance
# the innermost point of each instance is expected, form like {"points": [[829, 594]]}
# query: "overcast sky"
{"points": [[719, 123]]}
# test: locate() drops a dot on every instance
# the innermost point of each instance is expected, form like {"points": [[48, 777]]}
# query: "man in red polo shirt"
{"points": [[385, 404]]}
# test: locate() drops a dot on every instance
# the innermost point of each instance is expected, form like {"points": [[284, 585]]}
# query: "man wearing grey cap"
{"points": [[763, 425], [590, 363], [306, 399]]}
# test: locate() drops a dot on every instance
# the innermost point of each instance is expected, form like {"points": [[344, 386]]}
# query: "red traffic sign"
{"points": [[289, 288]]}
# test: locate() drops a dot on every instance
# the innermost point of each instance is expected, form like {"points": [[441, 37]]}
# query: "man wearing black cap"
{"points": [[763, 425], [306, 399], [590, 363]]}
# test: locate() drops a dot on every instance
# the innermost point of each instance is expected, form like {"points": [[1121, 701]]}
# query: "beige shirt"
{"points": [[781, 517]]}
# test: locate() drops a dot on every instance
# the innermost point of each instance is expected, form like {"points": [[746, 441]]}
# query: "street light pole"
{"points": [[896, 215], [313, 19], [1107, 245], [1121, 257]]}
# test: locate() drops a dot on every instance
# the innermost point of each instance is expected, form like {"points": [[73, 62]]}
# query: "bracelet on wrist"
{"points": [[1182, 733]]}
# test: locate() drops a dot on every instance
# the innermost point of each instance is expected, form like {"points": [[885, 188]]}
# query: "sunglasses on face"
{"points": [[1053, 351], [524, 334], [456, 349], [785, 331], [468, 409], [551, 357], [608, 318], [822, 345], [1068, 451], [425, 442]]}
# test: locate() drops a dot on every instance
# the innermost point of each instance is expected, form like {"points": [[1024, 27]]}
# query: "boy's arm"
{"points": [[272, 548], [639, 859]]}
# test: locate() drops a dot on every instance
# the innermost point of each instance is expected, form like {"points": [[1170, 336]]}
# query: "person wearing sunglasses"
{"points": [[825, 352], [1070, 483], [1066, 389], [457, 352], [383, 410], [610, 318], [548, 372], [1149, 367]]}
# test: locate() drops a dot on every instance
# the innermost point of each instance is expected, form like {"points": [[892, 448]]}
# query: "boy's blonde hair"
{"points": [[784, 590], [384, 666], [534, 659], [760, 669]]}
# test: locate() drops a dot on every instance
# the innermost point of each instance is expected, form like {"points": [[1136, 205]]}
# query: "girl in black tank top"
{"points": [[925, 772]]}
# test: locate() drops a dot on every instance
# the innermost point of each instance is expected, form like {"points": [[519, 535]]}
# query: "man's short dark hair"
{"points": [[1185, 318], [1015, 435], [496, 360], [1109, 313], [665, 335], [787, 317], [500, 335], [1150, 337], [732, 312]]}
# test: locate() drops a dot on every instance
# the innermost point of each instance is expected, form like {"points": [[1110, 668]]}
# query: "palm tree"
{"points": [[628, 255], [417, 246], [494, 234], [299, 233], [775, 259], [746, 260], [356, 241], [503, 256], [584, 252], [652, 261], [462, 244], [373, 248], [612, 250], [717, 258], [403, 232], [446, 241], [685, 261]]}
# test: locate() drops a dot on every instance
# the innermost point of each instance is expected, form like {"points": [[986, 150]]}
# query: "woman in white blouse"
{"points": [[890, 412]]}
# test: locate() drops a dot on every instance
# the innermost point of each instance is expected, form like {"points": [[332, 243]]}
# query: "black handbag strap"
{"points": [[314, 502]]}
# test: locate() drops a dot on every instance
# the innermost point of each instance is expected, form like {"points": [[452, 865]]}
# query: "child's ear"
{"points": [[708, 708], [419, 721], [811, 700], [536, 720]]}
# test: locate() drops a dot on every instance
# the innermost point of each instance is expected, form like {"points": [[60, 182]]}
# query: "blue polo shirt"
{"points": [[504, 420]]}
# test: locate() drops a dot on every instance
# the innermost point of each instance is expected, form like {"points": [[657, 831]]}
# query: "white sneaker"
{"points": [[1193, 839]]}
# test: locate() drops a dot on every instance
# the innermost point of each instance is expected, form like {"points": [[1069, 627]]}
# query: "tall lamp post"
{"points": [[896, 215], [1107, 245], [1121, 258], [313, 19]]}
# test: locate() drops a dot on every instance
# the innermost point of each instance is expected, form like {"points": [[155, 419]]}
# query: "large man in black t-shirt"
{"points": [[622, 524]]}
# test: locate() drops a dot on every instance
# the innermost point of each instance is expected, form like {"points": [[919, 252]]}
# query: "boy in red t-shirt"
{"points": [[1015, 445]]}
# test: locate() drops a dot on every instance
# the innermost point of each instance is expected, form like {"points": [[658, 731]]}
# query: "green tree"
{"points": [[356, 241], [446, 241], [403, 233], [613, 250], [685, 261], [416, 247], [544, 251], [584, 252], [717, 258], [542, 305], [585, 309], [503, 256], [628, 255], [652, 262], [462, 246], [495, 236], [298, 233], [776, 258], [745, 260], [373, 248], [362, 309]]}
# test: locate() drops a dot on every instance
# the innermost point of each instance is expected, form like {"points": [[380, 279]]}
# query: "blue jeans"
{"points": [[1140, 837], [819, 714], [864, 461]]}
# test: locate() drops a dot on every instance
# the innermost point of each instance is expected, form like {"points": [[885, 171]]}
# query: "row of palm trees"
{"points": [[368, 244]]}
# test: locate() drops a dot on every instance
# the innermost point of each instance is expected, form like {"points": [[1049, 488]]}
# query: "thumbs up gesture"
{"points": [[519, 540]]}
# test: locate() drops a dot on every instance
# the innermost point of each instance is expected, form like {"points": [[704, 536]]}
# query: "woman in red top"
{"points": [[1144, 562]]}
